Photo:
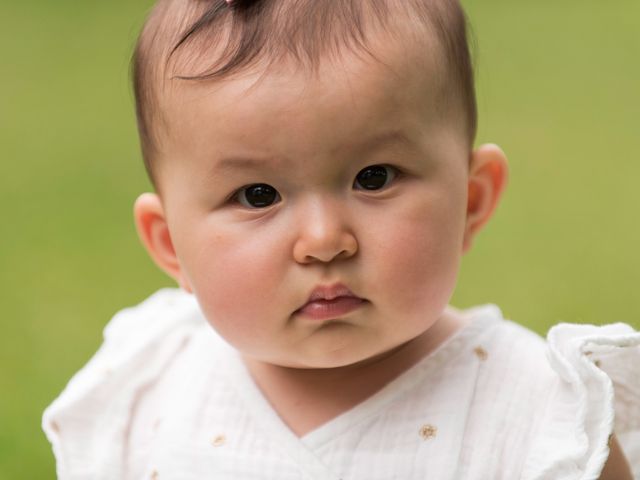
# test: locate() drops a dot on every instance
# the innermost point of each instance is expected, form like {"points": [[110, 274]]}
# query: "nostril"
{"points": [[308, 250], [344, 254]]}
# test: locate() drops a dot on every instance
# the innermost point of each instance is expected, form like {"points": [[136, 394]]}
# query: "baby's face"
{"points": [[357, 177]]}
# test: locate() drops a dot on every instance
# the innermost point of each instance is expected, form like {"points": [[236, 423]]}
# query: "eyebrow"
{"points": [[383, 140], [244, 163], [375, 142]]}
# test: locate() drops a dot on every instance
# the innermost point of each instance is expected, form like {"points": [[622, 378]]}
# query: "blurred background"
{"points": [[558, 89]]}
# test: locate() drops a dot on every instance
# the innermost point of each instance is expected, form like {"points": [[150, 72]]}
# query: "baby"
{"points": [[316, 189]]}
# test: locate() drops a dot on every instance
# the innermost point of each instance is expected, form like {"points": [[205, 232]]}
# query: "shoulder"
{"points": [[549, 406], [509, 351], [570, 393], [137, 335], [165, 309], [88, 419], [596, 395]]}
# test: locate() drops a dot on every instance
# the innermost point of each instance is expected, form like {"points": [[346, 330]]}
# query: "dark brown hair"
{"points": [[229, 37]]}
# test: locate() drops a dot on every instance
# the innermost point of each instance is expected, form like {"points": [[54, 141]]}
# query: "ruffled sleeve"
{"points": [[596, 392], [87, 423]]}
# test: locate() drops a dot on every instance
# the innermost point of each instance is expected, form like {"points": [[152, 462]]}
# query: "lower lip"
{"points": [[330, 309]]}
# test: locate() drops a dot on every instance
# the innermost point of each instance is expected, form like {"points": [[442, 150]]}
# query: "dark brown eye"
{"points": [[374, 177], [259, 195]]}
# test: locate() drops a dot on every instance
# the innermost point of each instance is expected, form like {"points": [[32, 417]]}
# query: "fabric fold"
{"points": [[86, 422], [597, 389]]}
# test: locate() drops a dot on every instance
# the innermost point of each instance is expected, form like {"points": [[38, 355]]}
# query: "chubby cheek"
{"points": [[236, 278], [421, 248]]}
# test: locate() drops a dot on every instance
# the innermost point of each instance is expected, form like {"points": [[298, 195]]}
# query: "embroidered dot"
{"points": [[428, 431], [154, 475], [55, 427], [219, 441], [156, 424], [481, 353], [597, 363]]}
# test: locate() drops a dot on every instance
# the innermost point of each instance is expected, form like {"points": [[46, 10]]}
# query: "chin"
{"points": [[345, 359]]}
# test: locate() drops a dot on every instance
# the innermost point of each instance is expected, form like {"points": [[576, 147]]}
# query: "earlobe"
{"points": [[488, 173], [153, 231]]}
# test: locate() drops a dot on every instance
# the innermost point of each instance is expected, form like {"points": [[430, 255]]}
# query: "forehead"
{"points": [[285, 109]]}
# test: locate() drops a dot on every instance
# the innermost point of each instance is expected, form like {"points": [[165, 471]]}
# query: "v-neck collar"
{"points": [[270, 422], [402, 384], [302, 449]]}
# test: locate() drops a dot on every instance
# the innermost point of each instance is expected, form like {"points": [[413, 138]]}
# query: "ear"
{"points": [[488, 172], [154, 233]]}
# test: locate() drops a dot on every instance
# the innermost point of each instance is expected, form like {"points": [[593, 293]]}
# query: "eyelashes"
{"points": [[244, 4], [262, 195]]}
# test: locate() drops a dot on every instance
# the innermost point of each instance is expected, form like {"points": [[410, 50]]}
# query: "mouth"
{"points": [[330, 303]]}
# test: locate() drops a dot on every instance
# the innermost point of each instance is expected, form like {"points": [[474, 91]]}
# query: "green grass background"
{"points": [[558, 88]]}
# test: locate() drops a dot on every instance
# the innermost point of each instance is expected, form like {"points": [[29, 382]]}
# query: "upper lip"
{"points": [[329, 292]]}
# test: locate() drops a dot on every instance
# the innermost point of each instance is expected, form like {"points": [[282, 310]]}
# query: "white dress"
{"points": [[166, 398]]}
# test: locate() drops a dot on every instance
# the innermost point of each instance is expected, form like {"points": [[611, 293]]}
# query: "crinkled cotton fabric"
{"points": [[166, 398]]}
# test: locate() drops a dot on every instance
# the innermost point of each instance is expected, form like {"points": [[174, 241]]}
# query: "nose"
{"points": [[323, 233]]}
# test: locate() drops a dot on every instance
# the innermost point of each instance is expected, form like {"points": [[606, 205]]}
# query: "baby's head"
{"points": [[306, 149]]}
